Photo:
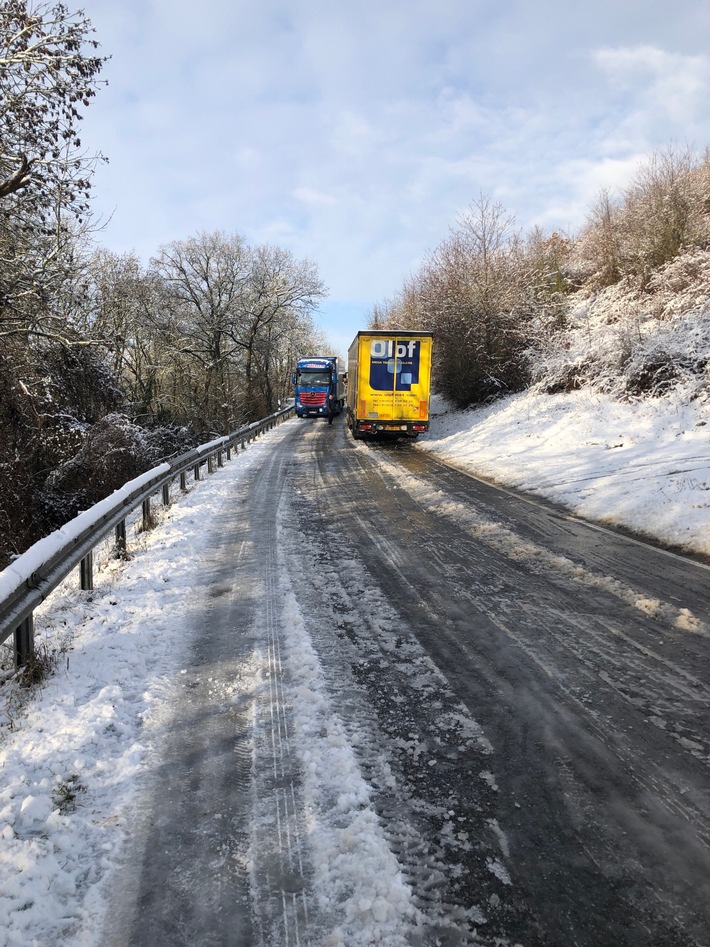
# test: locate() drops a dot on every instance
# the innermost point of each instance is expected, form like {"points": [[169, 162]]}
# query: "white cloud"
{"points": [[317, 198], [659, 84]]}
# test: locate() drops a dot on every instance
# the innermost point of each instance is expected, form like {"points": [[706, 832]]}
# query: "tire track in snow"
{"points": [[318, 848], [281, 871]]}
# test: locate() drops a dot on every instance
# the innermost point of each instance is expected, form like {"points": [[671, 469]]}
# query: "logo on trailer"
{"points": [[394, 365]]}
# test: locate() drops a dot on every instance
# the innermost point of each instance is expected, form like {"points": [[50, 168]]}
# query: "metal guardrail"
{"points": [[30, 579]]}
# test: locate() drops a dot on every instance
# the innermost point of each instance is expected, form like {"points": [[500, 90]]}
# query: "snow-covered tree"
{"points": [[49, 70]]}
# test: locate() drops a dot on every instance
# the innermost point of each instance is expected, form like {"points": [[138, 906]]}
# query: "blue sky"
{"points": [[354, 134]]}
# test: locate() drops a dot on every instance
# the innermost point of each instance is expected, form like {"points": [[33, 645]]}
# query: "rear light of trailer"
{"points": [[365, 427], [419, 427]]}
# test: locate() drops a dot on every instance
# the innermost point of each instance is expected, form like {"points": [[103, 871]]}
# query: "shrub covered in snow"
{"points": [[631, 340], [67, 442]]}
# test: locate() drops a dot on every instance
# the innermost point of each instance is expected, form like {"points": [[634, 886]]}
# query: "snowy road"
{"points": [[344, 696], [450, 716], [583, 659]]}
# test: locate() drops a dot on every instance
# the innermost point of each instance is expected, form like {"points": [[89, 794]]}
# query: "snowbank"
{"points": [[643, 465]]}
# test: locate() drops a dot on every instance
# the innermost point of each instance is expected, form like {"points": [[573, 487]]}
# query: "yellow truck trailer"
{"points": [[389, 379]]}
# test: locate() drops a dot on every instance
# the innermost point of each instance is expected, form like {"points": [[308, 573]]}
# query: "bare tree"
{"points": [[658, 210], [663, 211], [233, 309], [282, 292], [120, 309], [46, 78], [600, 243], [473, 294], [204, 279], [48, 75]]}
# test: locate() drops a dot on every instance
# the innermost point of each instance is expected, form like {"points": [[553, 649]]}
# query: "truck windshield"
{"points": [[314, 378]]}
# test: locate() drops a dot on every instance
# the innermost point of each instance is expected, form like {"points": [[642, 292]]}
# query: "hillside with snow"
{"points": [[616, 426]]}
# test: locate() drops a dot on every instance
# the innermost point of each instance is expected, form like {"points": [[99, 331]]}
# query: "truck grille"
{"points": [[313, 399]]}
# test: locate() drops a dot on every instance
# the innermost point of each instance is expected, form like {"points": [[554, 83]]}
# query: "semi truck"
{"points": [[316, 381], [389, 379]]}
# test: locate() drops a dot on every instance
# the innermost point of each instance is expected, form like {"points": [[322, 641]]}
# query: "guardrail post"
{"points": [[210, 465], [166, 494], [146, 514], [183, 482], [24, 642], [121, 540], [220, 462], [229, 451], [86, 571], [197, 471]]}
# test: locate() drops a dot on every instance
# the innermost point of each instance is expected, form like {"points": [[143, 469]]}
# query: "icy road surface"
{"points": [[422, 711]]}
